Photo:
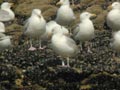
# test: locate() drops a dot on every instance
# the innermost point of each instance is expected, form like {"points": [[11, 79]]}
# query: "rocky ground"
{"points": [[40, 70]]}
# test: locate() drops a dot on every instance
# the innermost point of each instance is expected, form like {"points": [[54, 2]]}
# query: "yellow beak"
{"points": [[110, 7], [59, 3], [49, 35], [93, 15], [67, 34], [40, 16]]}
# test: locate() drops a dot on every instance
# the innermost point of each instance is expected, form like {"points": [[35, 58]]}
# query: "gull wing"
{"points": [[76, 30], [72, 44], [26, 24], [4, 15]]}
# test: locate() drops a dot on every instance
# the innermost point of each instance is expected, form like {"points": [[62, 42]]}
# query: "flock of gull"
{"points": [[58, 31]]}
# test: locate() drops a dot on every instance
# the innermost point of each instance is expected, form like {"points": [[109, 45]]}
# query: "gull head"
{"points": [[63, 2], [115, 5], [37, 12], [86, 15], [60, 30], [6, 5], [55, 30], [51, 23]]}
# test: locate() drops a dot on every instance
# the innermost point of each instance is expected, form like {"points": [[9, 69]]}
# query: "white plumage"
{"points": [[35, 27], [2, 27], [5, 42], [6, 14], [113, 17], [85, 30], [63, 45], [65, 14], [50, 26], [116, 41]]}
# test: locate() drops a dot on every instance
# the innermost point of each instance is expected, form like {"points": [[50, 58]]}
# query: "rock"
{"points": [[15, 31], [100, 20], [25, 8], [24, 70], [96, 9], [50, 13]]}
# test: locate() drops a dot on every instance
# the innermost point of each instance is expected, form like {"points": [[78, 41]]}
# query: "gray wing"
{"points": [[76, 30], [72, 44], [70, 41], [2, 35], [5, 37], [4, 15], [26, 24]]}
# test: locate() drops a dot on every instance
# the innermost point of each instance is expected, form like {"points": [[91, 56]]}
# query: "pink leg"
{"points": [[89, 51], [68, 62], [40, 47], [31, 47], [88, 47], [73, 3]]}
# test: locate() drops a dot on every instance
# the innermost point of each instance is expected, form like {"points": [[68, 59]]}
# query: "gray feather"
{"points": [[4, 15]]}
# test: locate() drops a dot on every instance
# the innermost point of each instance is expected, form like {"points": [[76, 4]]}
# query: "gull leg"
{"points": [[88, 49], [118, 54], [31, 46], [81, 47], [68, 62], [73, 3], [63, 63], [40, 47], [70, 31]]}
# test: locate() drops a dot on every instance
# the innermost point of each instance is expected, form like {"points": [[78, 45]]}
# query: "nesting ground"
{"points": [[21, 69]]}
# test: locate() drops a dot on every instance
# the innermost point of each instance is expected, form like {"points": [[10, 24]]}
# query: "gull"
{"points": [[5, 42], [65, 15], [113, 17], [116, 41], [6, 14], [85, 29], [52, 24], [63, 45], [35, 27], [115, 44]]}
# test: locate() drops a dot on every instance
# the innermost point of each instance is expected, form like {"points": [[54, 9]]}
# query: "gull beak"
{"points": [[40, 15], [66, 34], [59, 3], [49, 35], [93, 16], [11, 4], [110, 7], [10, 37]]}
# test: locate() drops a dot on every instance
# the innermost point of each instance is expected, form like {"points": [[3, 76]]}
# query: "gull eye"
{"points": [[87, 14], [116, 4]]}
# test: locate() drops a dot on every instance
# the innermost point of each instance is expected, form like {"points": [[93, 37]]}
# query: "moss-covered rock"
{"points": [[96, 9], [40, 70], [26, 7], [100, 20]]}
